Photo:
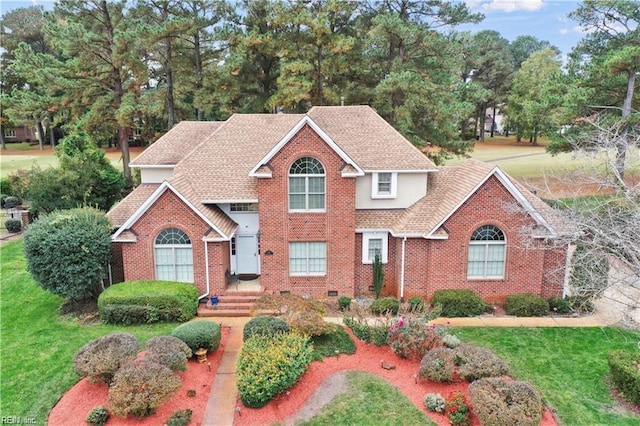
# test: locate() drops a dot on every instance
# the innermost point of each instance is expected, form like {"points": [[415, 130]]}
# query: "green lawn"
{"points": [[38, 345]]}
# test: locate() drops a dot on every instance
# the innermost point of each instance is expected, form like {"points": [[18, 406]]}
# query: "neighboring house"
{"points": [[305, 201], [19, 134]]}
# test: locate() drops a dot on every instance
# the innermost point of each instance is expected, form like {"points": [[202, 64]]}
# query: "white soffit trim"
{"points": [[153, 198], [154, 166], [304, 120], [400, 170], [252, 200], [512, 190]]}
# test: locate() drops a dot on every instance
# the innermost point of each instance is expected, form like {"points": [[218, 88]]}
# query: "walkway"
{"points": [[221, 407]]}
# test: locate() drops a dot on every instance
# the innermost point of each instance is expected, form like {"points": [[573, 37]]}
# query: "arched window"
{"points": [[306, 185], [487, 250], [174, 256]]}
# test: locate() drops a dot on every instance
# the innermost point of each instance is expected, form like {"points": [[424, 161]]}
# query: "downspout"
{"points": [[567, 265], [404, 240], [206, 262]]}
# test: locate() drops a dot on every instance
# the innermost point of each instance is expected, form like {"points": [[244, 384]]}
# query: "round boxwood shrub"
{"points": [[438, 365], [13, 225], [475, 362], [199, 334], [385, 305], [624, 366], [2, 198], [168, 351], [559, 305], [141, 386], [459, 303], [416, 304], [264, 325], [101, 358], [12, 201], [344, 302], [501, 401], [98, 416], [526, 305]]}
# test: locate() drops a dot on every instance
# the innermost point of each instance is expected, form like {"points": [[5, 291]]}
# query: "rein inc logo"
{"points": [[16, 420]]}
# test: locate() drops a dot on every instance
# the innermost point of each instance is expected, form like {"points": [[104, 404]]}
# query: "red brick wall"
{"points": [[170, 212], [432, 265], [364, 272], [336, 226]]}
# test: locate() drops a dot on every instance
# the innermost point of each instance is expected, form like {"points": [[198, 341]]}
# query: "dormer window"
{"points": [[384, 185], [306, 185]]}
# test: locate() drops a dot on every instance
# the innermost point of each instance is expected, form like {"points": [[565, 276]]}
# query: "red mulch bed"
{"points": [[74, 406], [367, 358]]}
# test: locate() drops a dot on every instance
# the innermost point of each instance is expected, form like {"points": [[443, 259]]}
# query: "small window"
{"points": [[487, 252], [308, 258], [384, 185], [173, 256], [244, 207], [372, 243], [11, 134], [306, 185]]}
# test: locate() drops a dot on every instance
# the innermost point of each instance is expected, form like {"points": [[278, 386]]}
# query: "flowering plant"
{"points": [[410, 336], [458, 409]]}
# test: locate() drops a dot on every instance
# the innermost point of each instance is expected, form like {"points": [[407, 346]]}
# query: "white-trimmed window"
{"points": [[372, 243], [384, 185], [306, 185], [10, 133], [308, 258], [173, 256], [243, 207], [487, 252]]}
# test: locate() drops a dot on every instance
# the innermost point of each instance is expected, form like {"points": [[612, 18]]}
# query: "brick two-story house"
{"points": [[305, 201]]}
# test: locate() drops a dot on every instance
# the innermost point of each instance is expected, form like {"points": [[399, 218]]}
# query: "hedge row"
{"points": [[139, 302], [625, 374]]}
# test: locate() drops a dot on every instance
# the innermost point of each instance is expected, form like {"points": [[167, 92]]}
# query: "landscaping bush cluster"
{"points": [[385, 305], [472, 362], [343, 303], [309, 323], [505, 402], [264, 325], [458, 409], [101, 358], [140, 302], [375, 334], [526, 305], [141, 386], [98, 416], [282, 304], [180, 418], [559, 305], [13, 225], [268, 365], [200, 334], [624, 366], [410, 336], [434, 402], [459, 303], [168, 351]]}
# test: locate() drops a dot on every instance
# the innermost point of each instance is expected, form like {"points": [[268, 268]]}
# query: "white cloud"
{"points": [[514, 5], [564, 31]]}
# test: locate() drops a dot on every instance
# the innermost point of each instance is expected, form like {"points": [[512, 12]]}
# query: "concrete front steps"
{"points": [[231, 304]]}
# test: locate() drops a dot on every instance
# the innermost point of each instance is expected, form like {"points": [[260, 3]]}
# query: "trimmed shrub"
{"points": [[141, 386], [98, 416], [344, 302], [581, 304], [475, 362], [13, 225], [416, 304], [458, 303], [2, 198], [451, 341], [505, 402], [336, 339], [624, 366], [66, 252], [386, 305], [268, 365], [168, 351], [283, 304], [411, 336], [438, 365], [375, 334], [12, 201], [199, 334], [140, 302], [559, 305], [101, 358], [180, 418], [434, 402], [264, 326], [308, 323], [526, 305]]}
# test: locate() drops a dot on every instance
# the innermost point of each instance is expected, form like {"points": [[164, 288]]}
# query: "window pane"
{"points": [[317, 257], [316, 185], [296, 202], [164, 256], [296, 185], [164, 272], [375, 246], [316, 201], [384, 183], [184, 256], [184, 273]]}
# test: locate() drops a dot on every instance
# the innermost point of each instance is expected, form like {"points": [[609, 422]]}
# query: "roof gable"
{"points": [[306, 120]]}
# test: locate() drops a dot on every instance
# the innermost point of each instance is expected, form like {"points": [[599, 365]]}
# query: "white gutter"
{"points": [[567, 265], [206, 262], [404, 240]]}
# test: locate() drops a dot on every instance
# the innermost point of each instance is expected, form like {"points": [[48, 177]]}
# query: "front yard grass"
{"points": [[37, 344]]}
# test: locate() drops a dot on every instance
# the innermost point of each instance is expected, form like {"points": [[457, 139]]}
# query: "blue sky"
{"points": [[544, 19]]}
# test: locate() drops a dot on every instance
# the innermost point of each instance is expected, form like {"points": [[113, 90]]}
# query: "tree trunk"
{"points": [[483, 119], [39, 132], [623, 143], [493, 120], [319, 100], [2, 140], [52, 137], [171, 108], [198, 58]]}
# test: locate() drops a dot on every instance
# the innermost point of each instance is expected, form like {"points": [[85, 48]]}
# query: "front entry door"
{"points": [[247, 254]]}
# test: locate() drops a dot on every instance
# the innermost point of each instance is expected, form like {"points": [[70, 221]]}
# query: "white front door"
{"points": [[247, 254]]}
